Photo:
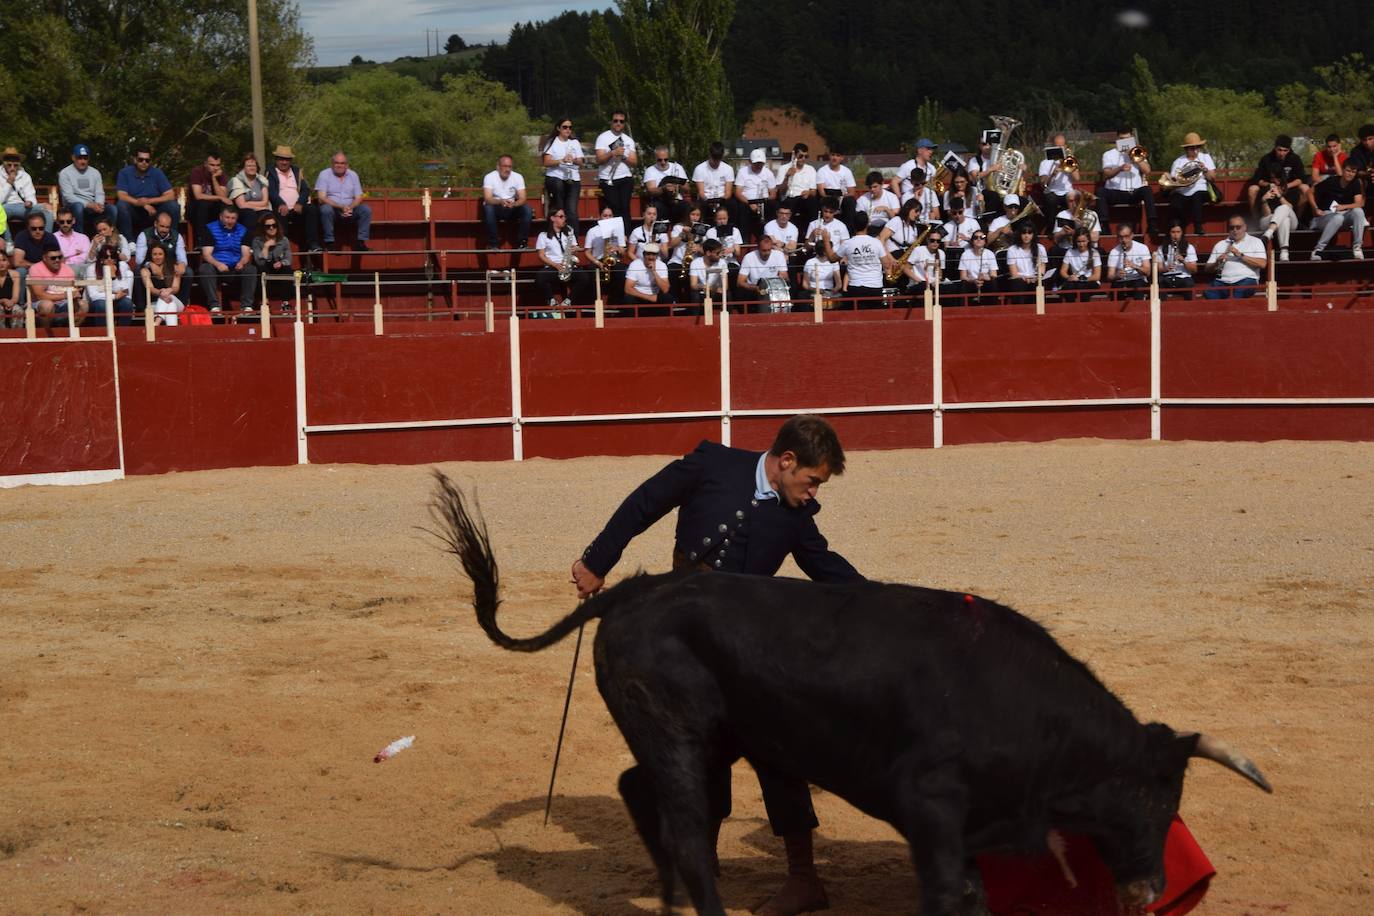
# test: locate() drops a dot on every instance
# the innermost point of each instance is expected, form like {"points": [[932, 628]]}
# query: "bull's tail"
{"points": [[466, 538]]}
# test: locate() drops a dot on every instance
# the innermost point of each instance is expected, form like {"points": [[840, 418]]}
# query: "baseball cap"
{"points": [[758, 155], [651, 248], [81, 149], [1011, 199], [925, 143]]}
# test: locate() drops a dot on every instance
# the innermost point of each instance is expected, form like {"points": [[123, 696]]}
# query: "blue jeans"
{"points": [[123, 309], [79, 212], [131, 219], [1241, 289], [491, 215], [362, 214]]}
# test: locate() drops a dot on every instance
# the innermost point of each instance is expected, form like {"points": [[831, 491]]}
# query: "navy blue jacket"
{"points": [[719, 522]]}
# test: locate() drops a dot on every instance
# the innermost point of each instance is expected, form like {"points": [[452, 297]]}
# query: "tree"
{"points": [[454, 45], [663, 65], [1238, 126], [1341, 100]]}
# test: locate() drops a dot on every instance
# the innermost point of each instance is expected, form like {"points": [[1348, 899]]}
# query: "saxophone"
{"points": [[565, 269], [895, 274]]}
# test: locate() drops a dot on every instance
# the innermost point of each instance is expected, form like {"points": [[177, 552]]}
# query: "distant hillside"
{"points": [[428, 70]]}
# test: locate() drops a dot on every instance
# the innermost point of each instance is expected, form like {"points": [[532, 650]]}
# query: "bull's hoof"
{"points": [[798, 894]]}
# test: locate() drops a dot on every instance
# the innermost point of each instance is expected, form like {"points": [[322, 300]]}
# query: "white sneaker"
{"points": [[215, 310], [1283, 254], [247, 310], [567, 303], [1358, 252], [1316, 254], [553, 302], [1269, 233]]}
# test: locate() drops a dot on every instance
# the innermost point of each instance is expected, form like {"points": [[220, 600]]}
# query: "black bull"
{"points": [[957, 720]]}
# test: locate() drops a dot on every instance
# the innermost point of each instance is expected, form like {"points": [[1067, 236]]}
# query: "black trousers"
{"points": [[561, 193], [1176, 282], [1136, 288], [1188, 208], [309, 222], [617, 196], [1078, 290], [1018, 285], [1110, 197], [550, 287]]}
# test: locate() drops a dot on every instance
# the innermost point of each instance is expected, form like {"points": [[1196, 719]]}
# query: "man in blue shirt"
{"points": [[144, 192], [226, 254]]}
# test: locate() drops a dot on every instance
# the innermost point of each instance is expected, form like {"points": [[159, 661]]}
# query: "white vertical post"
{"points": [[517, 434], [937, 370], [1154, 282], [109, 302], [928, 300], [296, 276], [724, 371], [598, 307], [30, 322], [377, 301], [265, 317], [149, 318], [490, 307], [512, 292], [263, 304], [302, 448], [817, 300], [708, 305], [71, 319], [427, 201], [1154, 363], [1039, 288], [1271, 289]]}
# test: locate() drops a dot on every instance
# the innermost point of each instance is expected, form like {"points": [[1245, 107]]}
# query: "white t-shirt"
{"points": [[613, 169], [841, 178], [838, 230], [782, 235], [714, 279], [1164, 257], [1125, 180], [923, 263], [656, 175], [754, 268], [569, 171], [978, 264], [755, 185], [553, 246], [958, 236], [804, 179], [713, 178], [121, 281], [905, 169], [971, 202], [639, 237], [823, 273], [507, 188], [1082, 263], [928, 201], [730, 241], [1199, 186], [1129, 262], [1233, 269], [863, 254], [868, 204], [902, 235], [1020, 258], [612, 229], [1061, 183], [638, 274]]}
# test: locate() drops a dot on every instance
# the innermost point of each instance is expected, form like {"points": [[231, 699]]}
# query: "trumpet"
{"points": [[607, 262], [1069, 163], [1138, 154]]}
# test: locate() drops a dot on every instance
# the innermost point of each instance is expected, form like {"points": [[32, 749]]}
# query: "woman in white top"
{"points": [[959, 186], [121, 284], [562, 160], [1025, 263], [978, 270], [557, 249], [1186, 202], [1177, 259], [248, 191], [825, 275], [1081, 271], [644, 233], [683, 241], [163, 282]]}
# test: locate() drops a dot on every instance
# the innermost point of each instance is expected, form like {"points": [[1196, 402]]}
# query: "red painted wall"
{"points": [[59, 410]]}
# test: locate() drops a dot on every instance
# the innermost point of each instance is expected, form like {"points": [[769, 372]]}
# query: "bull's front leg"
{"points": [[931, 816]]}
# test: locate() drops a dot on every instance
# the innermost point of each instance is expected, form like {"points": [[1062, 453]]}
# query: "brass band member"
{"points": [[1026, 260], [665, 196], [714, 180], [557, 247], [834, 177], [1177, 260], [978, 270], [1127, 263], [1056, 181], [1080, 273], [797, 186], [1187, 201], [562, 159], [755, 186], [1126, 177]]}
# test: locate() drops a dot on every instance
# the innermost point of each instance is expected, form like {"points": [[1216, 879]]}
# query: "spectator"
{"points": [[248, 191], [340, 196], [289, 193], [160, 235], [121, 286], [1238, 259], [503, 200], [76, 246], [163, 282], [226, 254], [29, 244], [209, 192], [4, 231], [82, 188], [50, 299], [106, 235], [1363, 154], [1291, 175], [1328, 161], [17, 194], [11, 294], [1276, 214], [143, 192], [1339, 204], [271, 254]]}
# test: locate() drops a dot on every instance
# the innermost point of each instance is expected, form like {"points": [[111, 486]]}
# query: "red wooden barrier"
{"points": [[59, 411]]}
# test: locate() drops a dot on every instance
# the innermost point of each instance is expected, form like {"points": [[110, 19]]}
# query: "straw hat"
{"points": [[1192, 139], [12, 154], [282, 152]]}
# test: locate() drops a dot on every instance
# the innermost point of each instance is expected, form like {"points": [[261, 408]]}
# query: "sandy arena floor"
{"points": [[197, 670]]}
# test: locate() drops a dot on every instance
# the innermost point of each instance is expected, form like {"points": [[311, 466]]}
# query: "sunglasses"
{"points": [[565, 127], [66, 222], [143, 159], [617, 120], [980, 238], [54, 257], [108, 257]]}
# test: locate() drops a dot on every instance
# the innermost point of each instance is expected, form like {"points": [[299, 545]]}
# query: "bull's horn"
{"points": [[1218, 750]]}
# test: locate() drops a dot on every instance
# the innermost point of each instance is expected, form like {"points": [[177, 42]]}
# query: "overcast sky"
{"points": [[395, 28]]}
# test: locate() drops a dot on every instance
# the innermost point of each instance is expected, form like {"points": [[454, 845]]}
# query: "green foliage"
{"points": [[1238, 126], [1142, 111], [169, 73], [1340, 100], [454, 44], [549, 65], [928, 120], [391, 124], [664, 67], [430, 71]]}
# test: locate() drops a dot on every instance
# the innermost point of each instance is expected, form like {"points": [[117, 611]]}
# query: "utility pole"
{"points": [[255, 80]]}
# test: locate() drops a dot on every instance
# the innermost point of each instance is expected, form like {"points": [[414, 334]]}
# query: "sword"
{"points": [[558, 748]]}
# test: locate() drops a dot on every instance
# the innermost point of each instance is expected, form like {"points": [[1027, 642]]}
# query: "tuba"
{"points": [[1187, 176], [1011, 164]]}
